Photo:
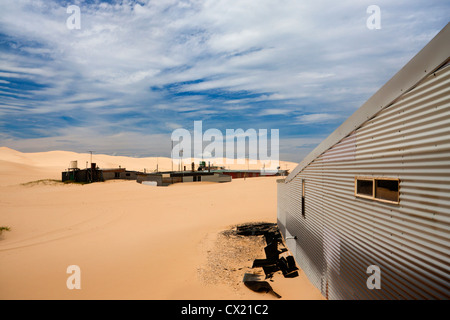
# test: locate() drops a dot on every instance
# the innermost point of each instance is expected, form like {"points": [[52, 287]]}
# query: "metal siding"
{"points": [[425, 62], [342, 235]]}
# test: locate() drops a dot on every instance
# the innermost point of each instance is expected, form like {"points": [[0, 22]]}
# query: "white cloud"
{"points": [[172, 126], [309, 76], [237, 45], [318, 56], [295, 149], [83, 139], [275, 111], [316, 118]]}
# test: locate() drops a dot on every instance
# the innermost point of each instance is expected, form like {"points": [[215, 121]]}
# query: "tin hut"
{"points": [[367, 213]]}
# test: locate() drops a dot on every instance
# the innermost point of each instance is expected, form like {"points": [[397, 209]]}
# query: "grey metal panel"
{"points": [[341, 235], [430, 58]]}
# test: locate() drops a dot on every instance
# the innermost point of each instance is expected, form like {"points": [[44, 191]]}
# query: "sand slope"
{"points": [[131, 241]]}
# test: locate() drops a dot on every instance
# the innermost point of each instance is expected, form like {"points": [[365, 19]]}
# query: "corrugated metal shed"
{"points": [[340, 235], [424, 63]]}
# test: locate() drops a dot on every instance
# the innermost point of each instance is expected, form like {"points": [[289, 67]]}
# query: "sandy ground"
{"points": [[130, 241]]}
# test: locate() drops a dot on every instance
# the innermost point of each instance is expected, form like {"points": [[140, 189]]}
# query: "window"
{"points": [[116, 175], [386, 190], [364, 187], [381, 189]]}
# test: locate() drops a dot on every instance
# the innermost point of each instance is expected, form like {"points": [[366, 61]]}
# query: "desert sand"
{"points": [[130, 241]]}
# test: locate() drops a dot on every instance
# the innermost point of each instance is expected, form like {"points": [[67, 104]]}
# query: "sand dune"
{"points": [[130, 241]]}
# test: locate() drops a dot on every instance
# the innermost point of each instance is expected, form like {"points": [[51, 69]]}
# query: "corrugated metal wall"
{"points": [[341, 235]]}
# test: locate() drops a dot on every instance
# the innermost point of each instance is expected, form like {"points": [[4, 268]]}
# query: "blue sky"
{"points": [[137, 70]]}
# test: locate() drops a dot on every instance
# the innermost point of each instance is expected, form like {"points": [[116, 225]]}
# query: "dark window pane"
{"points": [[386, 190], [364, 187]]}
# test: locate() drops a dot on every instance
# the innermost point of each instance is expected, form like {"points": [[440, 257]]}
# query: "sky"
{"points": [[135, 71]]}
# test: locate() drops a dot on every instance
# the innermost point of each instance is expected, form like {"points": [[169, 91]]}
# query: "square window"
{"points": [[386, 190], [364, 188]]}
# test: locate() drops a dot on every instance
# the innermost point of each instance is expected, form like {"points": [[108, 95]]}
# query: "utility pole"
{"points": [[181, 157], [92, 173], [245, 175], [172, 154], [172, 163]]}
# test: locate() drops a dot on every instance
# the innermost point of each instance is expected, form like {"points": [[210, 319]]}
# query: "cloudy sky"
{"points": [[137, 70]]}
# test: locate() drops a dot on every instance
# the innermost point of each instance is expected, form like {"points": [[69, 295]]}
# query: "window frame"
{"points": [[364, 195], [374, 185]]}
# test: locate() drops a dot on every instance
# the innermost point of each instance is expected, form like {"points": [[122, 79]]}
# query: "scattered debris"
{"points": [[4, 228], [288, 267], [227, 257], [256, 229], [236, 251], [273, 261], [254, 282]]}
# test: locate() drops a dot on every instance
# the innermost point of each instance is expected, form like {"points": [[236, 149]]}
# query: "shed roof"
{"points": [[114, 169], [435, 54]]}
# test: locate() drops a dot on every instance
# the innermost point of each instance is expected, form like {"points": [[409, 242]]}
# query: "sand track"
{"points": [[87, 226]]}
